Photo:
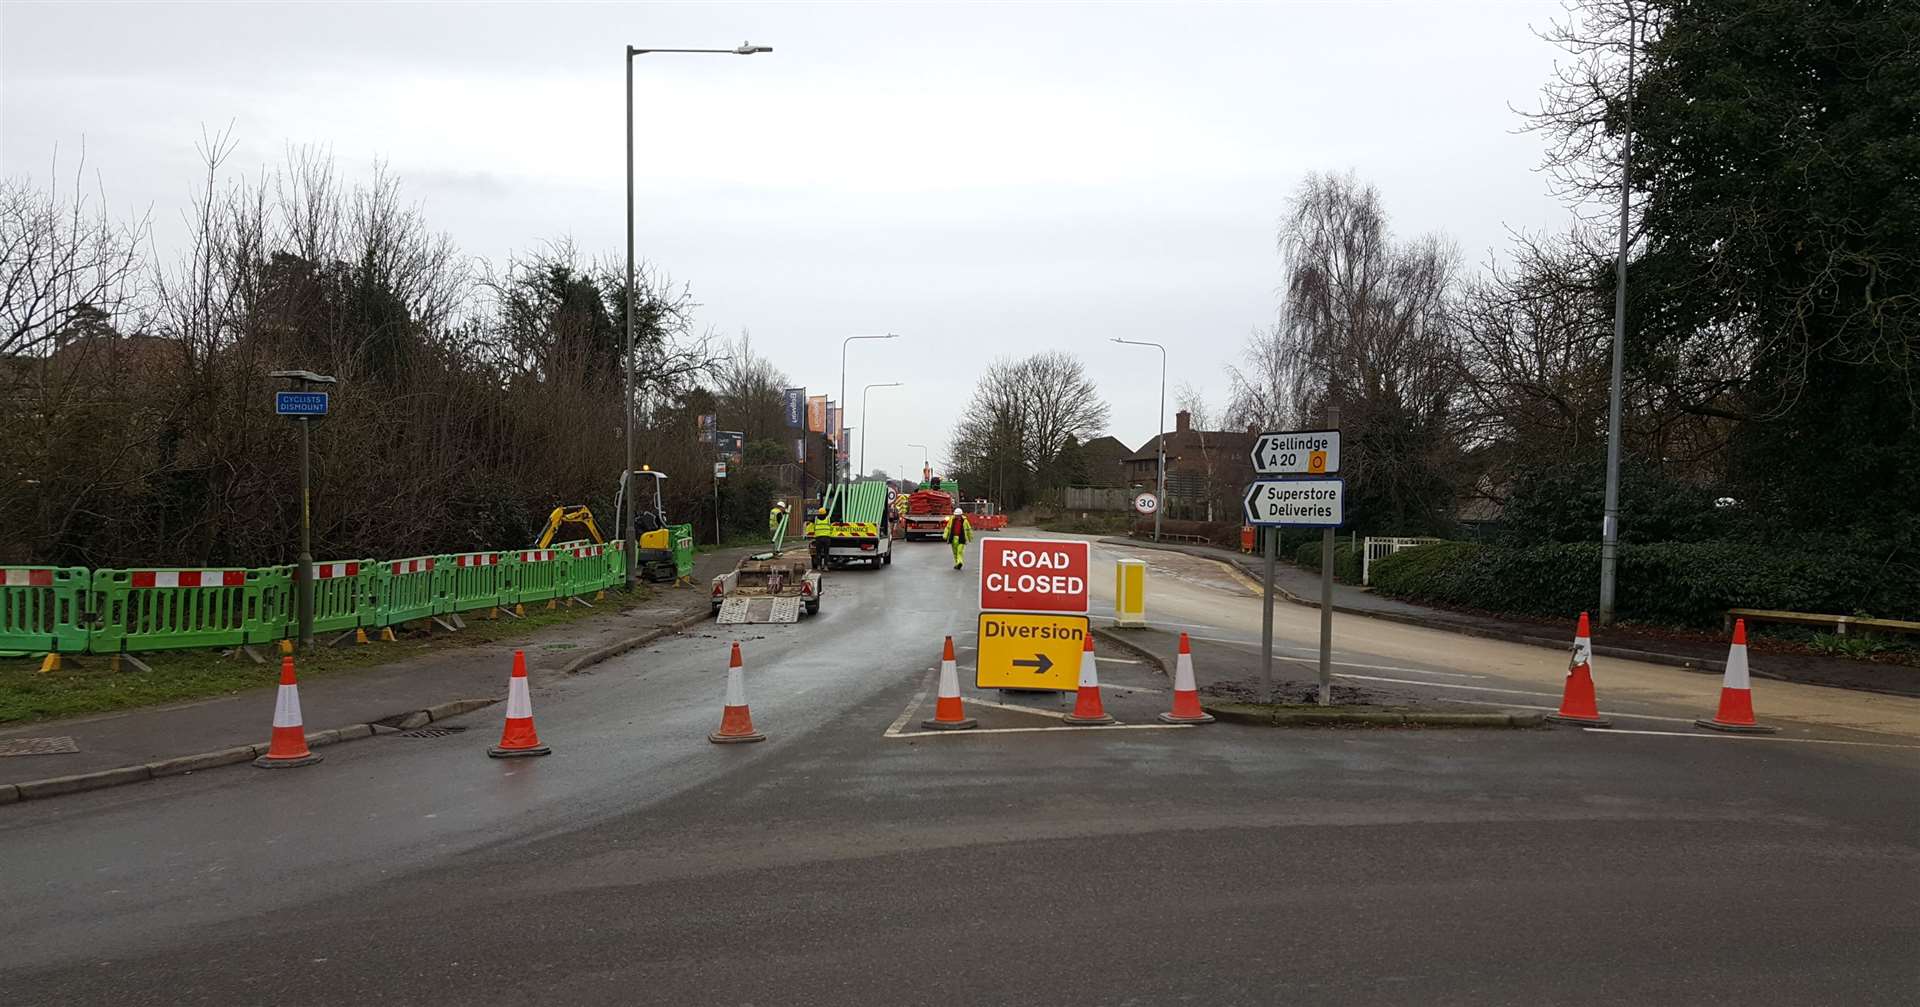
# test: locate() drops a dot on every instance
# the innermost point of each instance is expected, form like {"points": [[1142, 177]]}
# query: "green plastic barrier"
{"points": [[476, 580], [270, 604], [682, 538], [408, 589], [42, 608], [166, 609], [583, 568], [536, 575], [616, 557], [342, 595]]}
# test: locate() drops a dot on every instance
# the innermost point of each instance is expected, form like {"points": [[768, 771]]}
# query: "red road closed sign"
{"points": [[1033, 575]]}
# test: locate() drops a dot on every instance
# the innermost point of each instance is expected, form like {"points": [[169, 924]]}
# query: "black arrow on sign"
{"points": [[1039, 664]]}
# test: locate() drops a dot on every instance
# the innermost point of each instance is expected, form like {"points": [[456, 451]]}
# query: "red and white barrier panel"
{"points": [[331, 571], [536, 556], [26, 578], [588, 551], [189, 578], [405, 566], [477, 559]]}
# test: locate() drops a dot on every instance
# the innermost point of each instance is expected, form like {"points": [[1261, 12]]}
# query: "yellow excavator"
{"points": [[655, 556]]}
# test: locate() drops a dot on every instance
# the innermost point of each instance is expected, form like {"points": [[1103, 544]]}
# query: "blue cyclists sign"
{"points": [[300, 403]]}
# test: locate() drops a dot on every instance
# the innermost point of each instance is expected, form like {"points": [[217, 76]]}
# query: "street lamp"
{"points": [[926, 460], [303, 573], [1160, 436], [1610, 520], [631, 537], [843, 378], [863, 419]]}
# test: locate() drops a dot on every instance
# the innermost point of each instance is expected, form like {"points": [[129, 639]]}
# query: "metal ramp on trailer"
{"points": [[739, 610]]}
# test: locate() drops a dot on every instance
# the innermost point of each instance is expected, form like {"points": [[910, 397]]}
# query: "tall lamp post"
{"points": [[863, 419], [926, 460], [1610, 522], [631, 537], [1160, 436]]}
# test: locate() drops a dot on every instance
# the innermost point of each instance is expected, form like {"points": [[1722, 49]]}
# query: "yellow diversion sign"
{"points": [[1020, 651]]}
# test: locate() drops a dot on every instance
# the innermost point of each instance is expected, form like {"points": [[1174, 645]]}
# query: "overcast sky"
{"points": [[982, 179]]}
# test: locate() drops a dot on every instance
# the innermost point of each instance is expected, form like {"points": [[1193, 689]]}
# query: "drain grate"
{"points": [[37, 746], [432, 732]]}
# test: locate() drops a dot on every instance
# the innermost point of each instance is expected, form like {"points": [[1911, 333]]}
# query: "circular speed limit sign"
{"points": [[1146, 503]]}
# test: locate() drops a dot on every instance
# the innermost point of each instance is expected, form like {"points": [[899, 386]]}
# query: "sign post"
{"points": [[1306, 495], [304, 405], [719, 473], [1033, 613]]}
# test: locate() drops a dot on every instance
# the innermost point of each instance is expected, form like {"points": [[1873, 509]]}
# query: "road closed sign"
{"points": [[1033, 575], [1020, 650]]}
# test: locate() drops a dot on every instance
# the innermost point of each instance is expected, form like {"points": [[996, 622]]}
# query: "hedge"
{"points": [[1346, 558], [1674, 583]]}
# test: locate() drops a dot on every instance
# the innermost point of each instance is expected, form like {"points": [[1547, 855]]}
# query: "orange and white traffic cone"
{"points": [[518, 737], [1186, 698], [1736, 692], [736, 723], [288, 748], [948, 715], [1577, 702], [1087, 711]]}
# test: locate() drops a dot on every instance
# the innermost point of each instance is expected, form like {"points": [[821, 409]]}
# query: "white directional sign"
{"points": [[1308, 503], [1297, 452]]}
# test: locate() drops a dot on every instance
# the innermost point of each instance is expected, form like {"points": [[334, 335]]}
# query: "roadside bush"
{"points": [[1225, 534], [1673, 583], [1347, 558]]}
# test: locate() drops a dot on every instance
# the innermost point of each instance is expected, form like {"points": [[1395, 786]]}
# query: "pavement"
{"points": [[146, 735], [1705, 652], [855, 858]]}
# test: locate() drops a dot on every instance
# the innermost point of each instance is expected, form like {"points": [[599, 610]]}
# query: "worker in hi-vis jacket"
{"points": [[956, 534]]}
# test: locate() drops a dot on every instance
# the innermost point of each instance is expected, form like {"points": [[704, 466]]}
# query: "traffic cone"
{"points": [[518, 737], [1736, 693], [1087, 710], [736, 723], [288, 748], [1186, 698], [1577, 702], [947, 712]]}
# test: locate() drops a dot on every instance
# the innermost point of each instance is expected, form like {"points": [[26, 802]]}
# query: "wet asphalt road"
{"points": [[832, 864]]}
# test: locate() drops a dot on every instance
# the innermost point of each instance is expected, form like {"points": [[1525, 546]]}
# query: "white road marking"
{"points": [[919, 697], [1117, 660], [1055, 714], [1555, 709], [1033, 730], [1752, 737]]}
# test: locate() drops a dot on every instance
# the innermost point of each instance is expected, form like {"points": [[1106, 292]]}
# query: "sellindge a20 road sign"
{"points": [[1297, 452], [1306, 503]]}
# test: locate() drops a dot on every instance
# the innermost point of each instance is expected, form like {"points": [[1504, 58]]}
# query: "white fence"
{"points": [[1381, 548]]}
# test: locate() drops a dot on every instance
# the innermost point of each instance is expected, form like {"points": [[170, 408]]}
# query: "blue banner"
{"points": [[796, 407]]}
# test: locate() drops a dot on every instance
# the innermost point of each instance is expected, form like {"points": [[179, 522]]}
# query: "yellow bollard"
{"points": [[50, 663], [1130, 592]]}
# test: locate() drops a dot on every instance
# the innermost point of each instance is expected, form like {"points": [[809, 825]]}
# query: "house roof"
{"points": [[1180, 442]]}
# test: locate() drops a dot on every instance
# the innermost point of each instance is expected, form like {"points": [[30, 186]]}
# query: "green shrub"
{"points": [[1346, 558], [1675, 583]]}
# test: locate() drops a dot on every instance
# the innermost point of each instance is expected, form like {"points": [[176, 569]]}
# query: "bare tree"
{"points": [[63, 262]]}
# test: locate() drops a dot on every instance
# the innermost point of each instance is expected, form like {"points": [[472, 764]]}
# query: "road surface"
{"points": [[853, 859]]}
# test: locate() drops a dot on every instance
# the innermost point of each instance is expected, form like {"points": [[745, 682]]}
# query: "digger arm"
{"points": [[561, 515]]}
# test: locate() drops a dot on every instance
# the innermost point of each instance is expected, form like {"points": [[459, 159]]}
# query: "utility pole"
{"points": [[1610, 523], [1160, 436]]}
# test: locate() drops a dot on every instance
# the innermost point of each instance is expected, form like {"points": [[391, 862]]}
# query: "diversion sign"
{"points": [[1027, 651]]}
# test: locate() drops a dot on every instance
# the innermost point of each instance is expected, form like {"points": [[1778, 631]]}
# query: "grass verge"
{"points": [[87, 684]]}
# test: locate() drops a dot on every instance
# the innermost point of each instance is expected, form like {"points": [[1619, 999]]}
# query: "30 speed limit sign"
{"points": [[1146, 503]]}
